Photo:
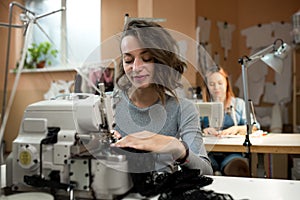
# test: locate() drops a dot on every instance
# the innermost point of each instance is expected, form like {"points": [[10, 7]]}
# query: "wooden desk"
{"points": [[272, 143], [269, 153]]}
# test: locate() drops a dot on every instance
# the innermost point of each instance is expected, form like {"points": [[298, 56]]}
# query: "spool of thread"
{"points": [[276, 121]]}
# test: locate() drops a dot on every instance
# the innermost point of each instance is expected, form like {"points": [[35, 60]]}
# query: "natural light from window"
{"points": [[75, 33]]}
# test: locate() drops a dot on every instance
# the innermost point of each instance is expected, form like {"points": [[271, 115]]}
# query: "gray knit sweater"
{"points": [[176, 118]]}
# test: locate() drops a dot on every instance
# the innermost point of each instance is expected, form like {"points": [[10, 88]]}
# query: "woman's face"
{"points": [[217, 86], [138, 63]]}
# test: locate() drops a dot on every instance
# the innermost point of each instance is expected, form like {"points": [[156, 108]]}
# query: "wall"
{"points": [[113, 15]]}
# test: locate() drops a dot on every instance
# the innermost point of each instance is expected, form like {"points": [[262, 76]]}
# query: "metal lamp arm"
{"points": [[271, 48], [262, 52], [50, 13]]}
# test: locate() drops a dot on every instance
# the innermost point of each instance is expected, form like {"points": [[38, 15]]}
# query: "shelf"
{"points": [[46, 69], [296, 91]]}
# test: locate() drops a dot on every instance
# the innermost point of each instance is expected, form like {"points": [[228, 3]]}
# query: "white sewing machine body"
{"points": [[63, 144]]}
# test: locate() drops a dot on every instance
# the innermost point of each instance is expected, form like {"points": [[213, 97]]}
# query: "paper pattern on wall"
{"points": [[258, 36], [225, 34], [205, 25]]}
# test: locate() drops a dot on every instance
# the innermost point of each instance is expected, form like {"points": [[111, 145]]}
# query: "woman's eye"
{"points": [[128, 60], [148, 59]]}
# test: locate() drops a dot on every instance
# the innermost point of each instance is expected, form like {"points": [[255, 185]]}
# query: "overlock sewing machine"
{"points": [[64, 145]]}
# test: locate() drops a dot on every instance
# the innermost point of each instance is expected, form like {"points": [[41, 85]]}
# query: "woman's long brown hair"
{"points": [[163, 48]]}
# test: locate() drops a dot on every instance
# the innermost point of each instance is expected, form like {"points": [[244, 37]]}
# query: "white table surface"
{"points": [[256, 188], [249, 188]]}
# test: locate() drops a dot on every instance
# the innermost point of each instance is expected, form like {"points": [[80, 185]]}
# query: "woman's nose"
{"points": [[137, 64]]}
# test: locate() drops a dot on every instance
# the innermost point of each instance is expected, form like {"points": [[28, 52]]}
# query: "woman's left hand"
{"points": [[153, 142]]}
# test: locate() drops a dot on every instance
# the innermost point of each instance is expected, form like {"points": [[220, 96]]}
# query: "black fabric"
{"points": [[184, 184], [195, 194]]}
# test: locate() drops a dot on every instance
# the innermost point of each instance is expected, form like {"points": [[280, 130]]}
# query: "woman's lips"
{"points": [[140, 78]]}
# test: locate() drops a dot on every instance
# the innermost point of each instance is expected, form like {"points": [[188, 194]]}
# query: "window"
{"points": [[75, 32]]}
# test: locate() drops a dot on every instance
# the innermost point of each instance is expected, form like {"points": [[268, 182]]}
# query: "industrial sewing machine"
{"points": [[64, 145]]}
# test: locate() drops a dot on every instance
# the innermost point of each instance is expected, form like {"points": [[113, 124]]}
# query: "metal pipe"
{"points": [[9, 25], [12, 25], [247, 142]]}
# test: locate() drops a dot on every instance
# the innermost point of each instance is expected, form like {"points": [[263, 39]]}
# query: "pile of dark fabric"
{"points": [[185, 184]]}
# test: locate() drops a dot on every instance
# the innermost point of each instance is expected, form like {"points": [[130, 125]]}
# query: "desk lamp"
{"points": [[273, 57]]}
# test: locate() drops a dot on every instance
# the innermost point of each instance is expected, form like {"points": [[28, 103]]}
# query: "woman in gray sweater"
{"points": [[149, 116]]}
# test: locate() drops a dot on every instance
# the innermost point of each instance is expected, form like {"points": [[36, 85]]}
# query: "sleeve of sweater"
{"points": [[190, 132]]}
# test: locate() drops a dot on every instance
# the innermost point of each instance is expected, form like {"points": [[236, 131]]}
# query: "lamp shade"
{"points": [[273, 61]]}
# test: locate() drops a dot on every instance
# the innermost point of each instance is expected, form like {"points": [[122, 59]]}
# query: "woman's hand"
{"points": [[234, 130], [153, 142], [210, 131]]}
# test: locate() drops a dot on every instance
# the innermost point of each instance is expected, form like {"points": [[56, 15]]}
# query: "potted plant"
{"points": [[39, 55]]}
